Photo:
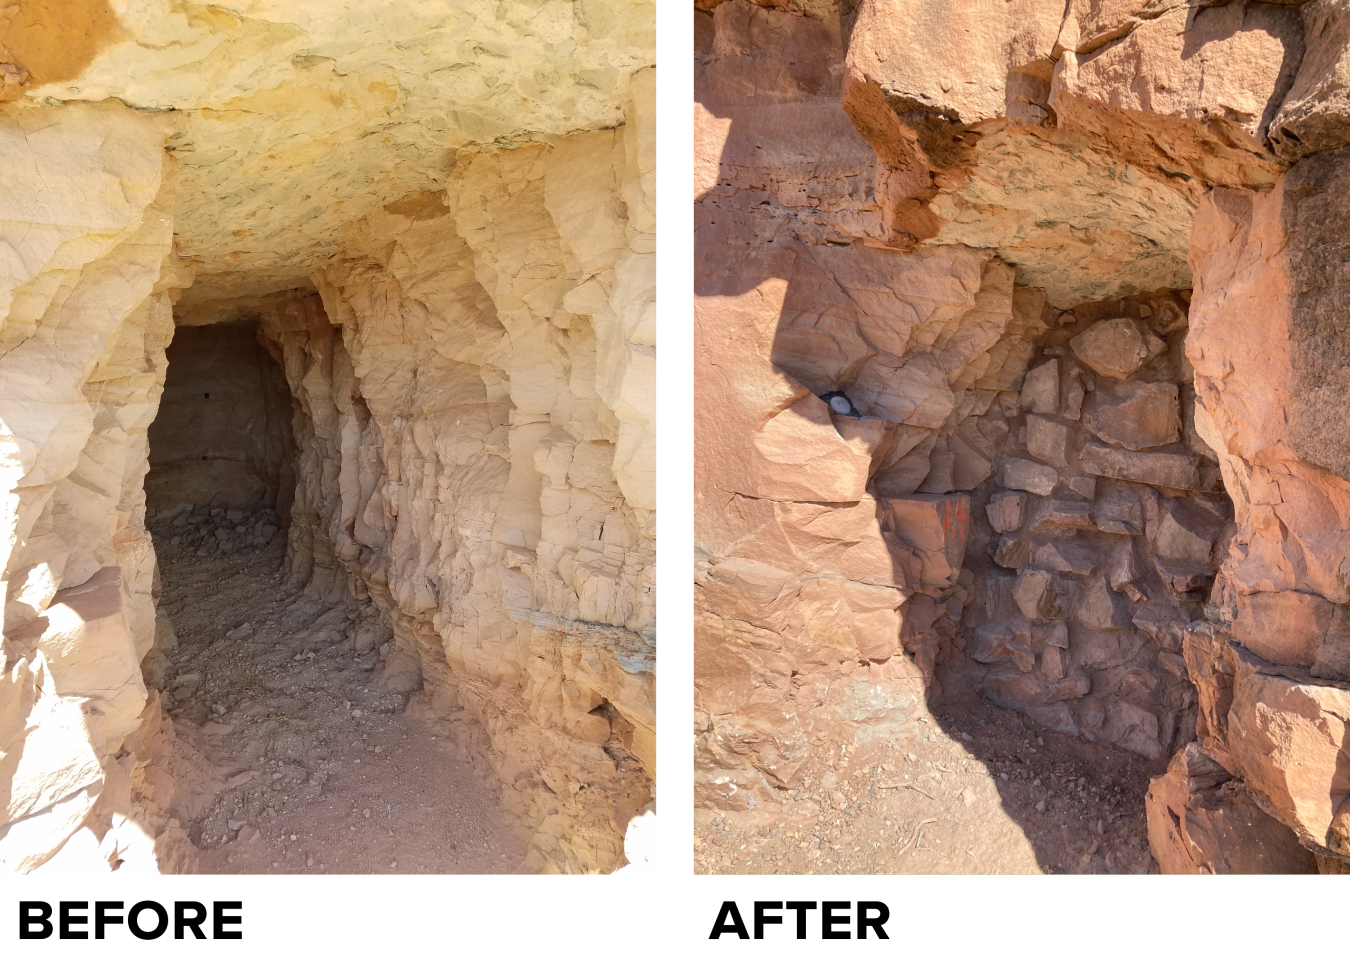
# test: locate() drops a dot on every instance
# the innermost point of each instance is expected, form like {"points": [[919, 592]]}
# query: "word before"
{"points": [[145, 920], [835, 918]]}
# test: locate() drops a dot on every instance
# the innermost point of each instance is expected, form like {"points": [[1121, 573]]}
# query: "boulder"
{"points": [[1287, 736], [1203, 821]]}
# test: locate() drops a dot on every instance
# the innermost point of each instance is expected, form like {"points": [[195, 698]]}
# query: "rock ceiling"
{"points": [[293, 118]]}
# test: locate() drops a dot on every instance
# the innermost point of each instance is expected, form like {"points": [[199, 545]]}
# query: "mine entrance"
{"points": [[287, 743]]}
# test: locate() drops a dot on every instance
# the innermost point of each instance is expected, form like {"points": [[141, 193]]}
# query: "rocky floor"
{"points": [[302, 722], [977, 790]]}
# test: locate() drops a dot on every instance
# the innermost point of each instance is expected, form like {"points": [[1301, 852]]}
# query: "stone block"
{"points": [[1074, 393], [1058, 514], [996, 643], [1040, 388], [1176, 471], [935, 527], [1136, 415], [1005, 510], [1022, 692], [1048, 440], [1054, 663], [1123, 569], [1084, 486], [1117, 348], [1187, 532], [1132, 728], [1036, 595], [1066, 557], [1118, 510], [1101, 609], [1012, 552], [1183, 576], [1020, 474]]}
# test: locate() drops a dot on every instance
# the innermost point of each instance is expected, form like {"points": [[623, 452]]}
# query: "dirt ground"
{"points": [[976, 790], [303, 723]]}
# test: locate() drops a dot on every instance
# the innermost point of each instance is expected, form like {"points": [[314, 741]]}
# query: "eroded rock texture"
{"points": [[1025, 383], [421, 335]]}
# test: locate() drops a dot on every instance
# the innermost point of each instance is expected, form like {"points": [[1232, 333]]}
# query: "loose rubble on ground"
{"points": [[979, 790], [300, 717]]}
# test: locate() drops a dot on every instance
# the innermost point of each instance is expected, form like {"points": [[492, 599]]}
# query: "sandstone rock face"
{"points": [[88, 196], [815, 538], [424, 316], [1154, 557], [1202, 821]]}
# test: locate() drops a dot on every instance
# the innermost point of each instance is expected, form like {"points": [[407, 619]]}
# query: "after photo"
{"points": [[1021, 437]]}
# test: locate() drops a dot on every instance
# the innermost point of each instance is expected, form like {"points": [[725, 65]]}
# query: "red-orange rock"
{"points": [[1202, 821]]}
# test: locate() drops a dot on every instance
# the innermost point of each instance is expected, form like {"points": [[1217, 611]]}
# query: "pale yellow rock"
{"points": [[294, 117]]}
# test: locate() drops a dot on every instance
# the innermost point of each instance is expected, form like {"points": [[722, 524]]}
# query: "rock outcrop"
{"points": [[1079, 295], [413, 258]]}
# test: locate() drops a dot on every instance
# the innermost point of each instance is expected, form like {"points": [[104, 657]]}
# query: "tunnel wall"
{"points": [[222, 437], [87, 314], [475, 455]]}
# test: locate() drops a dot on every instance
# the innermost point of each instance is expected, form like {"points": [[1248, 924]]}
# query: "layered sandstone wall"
{"points": [[88, 196], [1108, 159], [438, 231], [476, 450]]}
